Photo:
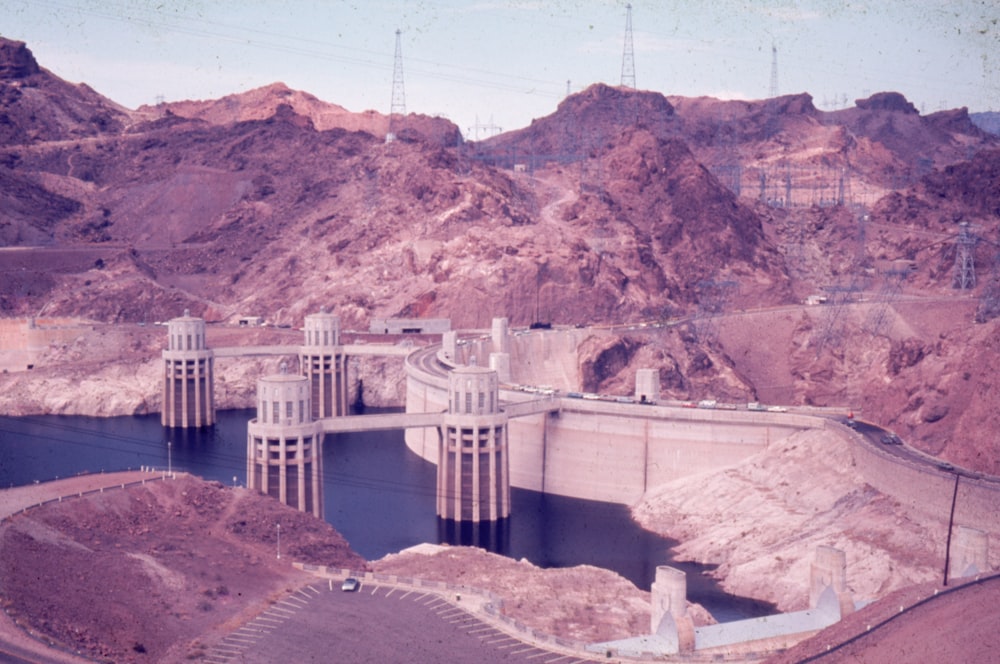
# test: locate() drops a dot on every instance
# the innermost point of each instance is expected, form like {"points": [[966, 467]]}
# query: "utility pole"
{"points": [[773, 90], [628, 57]]}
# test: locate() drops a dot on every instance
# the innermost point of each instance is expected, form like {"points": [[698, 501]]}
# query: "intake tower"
{"points": [[473, 468], [285, 444], [324, 364], [188, 400]]}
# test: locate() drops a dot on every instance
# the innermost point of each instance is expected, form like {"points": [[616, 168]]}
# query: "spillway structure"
{"points": [[473, 474], [188, 399], [285, 444], [324, 364]]}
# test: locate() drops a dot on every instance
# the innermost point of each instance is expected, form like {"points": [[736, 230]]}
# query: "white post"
{"points": [[279, 541]]}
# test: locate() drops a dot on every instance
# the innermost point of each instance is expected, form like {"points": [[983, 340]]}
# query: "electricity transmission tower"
{"points": [[628, 57], [892, 286], [989, 302], [831, 329], [714, 299], [965, 268], [773, 90], [398, 108]]}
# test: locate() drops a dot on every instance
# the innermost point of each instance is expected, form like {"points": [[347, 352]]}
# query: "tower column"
{"points": [[188, 401], [324, 363], [473, 469], [285, 444]]}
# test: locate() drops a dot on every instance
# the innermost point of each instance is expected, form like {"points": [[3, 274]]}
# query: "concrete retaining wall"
{"points": [[25, 342]]}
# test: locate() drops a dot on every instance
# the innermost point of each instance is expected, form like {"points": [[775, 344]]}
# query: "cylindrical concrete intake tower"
{"points": [[285, 444], [188, 399], [324, 363], [473, 468]]}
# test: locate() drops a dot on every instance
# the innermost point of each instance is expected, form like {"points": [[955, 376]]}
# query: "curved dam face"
{"points": [[605, 450], [613, 451]]}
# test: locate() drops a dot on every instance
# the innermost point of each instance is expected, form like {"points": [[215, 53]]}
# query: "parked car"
{"points": [[350, 585]]}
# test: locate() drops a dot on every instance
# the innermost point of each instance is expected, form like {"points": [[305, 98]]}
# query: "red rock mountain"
{"points": [[620, 206]]}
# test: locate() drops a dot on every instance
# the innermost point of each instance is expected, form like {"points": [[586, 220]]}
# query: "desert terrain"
{"points": [[722, 217], [162, 570]]}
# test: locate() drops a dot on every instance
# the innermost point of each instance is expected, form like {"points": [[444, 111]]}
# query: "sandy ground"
{"points": [[13, 633]]}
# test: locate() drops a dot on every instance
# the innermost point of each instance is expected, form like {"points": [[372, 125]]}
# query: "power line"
{"points": [[154, 450], [465, 75]]}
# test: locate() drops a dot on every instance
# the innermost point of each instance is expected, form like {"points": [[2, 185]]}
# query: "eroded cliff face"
{"points": [[762, 520], [621, 208], [108, 370]]}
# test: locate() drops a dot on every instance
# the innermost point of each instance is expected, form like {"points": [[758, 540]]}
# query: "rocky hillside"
{"points": [[621, 206], [201, 553]]}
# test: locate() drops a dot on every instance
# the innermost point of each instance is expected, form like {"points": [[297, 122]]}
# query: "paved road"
{"points": [[377, 624], [875, 436], [15, 644]]}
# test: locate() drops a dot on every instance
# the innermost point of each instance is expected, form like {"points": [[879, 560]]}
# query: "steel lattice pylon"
{"points": [[398, 94], [965, 269], [628, 57], [397, 109], [773, 90]]}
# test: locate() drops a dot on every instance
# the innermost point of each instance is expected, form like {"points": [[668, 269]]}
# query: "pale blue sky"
{"points": [[510, 60]]}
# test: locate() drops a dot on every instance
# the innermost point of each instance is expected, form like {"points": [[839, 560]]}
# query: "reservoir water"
{"points": [[377, 493]]}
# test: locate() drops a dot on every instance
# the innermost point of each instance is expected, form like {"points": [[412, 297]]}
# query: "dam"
{"points": [[557, 441], [611, 449], [615, 448]]}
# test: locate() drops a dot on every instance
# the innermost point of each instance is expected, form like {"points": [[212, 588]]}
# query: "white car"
{"points": [[350, 585]]}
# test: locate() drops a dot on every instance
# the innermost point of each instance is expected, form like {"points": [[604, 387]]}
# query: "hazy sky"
{"points": [[510, 60]]}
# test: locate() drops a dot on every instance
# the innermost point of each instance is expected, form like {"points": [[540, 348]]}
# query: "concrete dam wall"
{"points": [[612, 451], [928, 488], [609, 451]]}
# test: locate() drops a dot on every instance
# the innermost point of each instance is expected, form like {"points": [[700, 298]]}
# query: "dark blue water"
{"points": [[377, 493]]}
